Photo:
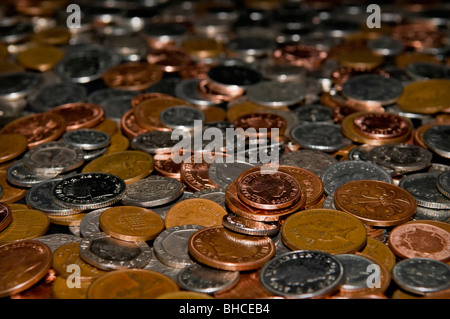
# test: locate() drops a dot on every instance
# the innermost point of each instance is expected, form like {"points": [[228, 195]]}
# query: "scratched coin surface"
{"points": [[198, 211]]}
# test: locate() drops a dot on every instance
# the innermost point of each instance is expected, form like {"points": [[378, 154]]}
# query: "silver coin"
{"points": [[223, 174], [234, 75], [156, 265], [86, 139], [320, 136], [422, 186], [154, 142], [443, 183], [163, 209], [215, 194], [302, 274], [385, 45], [89, 225], [208, 280], [171, 245], [40, 197], [424, 213], [437, 138], [56, 94], [75, 230], [360, 153], [53, 158], [115, 102], [372, 88], [402, 158], [93, 154], [187, 90], [166, 86], [311, 160], [283, 73], [420, 71], [276, 94], [19, 175], [128, 46], [54, 241], [245, 226], [181, 117], [357, 273], [255, 46], [340, 173], [89, 191], [14, 30], [314, 113], [107, 253], [17, 85], [329, 202], [152, 191], [421, 275]]}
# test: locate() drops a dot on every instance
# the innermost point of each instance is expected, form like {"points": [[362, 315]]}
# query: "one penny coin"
{"points": [[13, 145], [80, 115], [25, 224], [262, 123], [129, 125], [195, 173], [133, 76]]}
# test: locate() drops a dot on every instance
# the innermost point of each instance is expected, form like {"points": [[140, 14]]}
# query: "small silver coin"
{"points": [[92, 155], [17, 85], [320, 136], [152, 191], [437, 138], [181, 117], [54, 241], [86, 139], [223, 174], [56, 94], [154, 142], [171, 245], [245, 226], [19, 175], [421, 275], [443, 183], [314, 113], [115, 102], [215, 194], [340, 173], [303, 274], [385, 45], [276, 94], [107, 253], [208, 280], [163, 209], [420, 71], [311, 160], [187, 90], [89, 225]]}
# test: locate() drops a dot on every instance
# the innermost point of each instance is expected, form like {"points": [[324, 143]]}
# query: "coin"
{"points": [[23, 264], [380, 252], [115, 102], [17, 85], [223, 174], [72, 221], [169, 59], [19, 175], [421, 275], [60, 290], [303, 274], [417, 239], [40, 58], [129, 125], [195, 172], [249, 227], [13, 145], [10, 194], [87, 139], [215, 194], [171, 245], [181, 117], [219, 248], [375, 203], [25, 224], [145, 284], [89, 191], [327, 230], [312, 160], [5, 216], [276, 94], [131, 223], [89, 224], [443, 183], [54, 241], [80, 115], [153, 142], [259, 124], [436, 138], [133, 76], [166, 166], [131, 166], [55, 94], [107, 253], [199, 211], [425, 97], [119, 143]]}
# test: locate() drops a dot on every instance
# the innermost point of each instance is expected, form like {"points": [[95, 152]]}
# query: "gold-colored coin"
{"points": [[380, 252], [131, 284], [65, 256], [185, 295], [202, 48], [25, 224], [119, 143], [40, 58], [18, 206], [198, 211], [327, 230], [68, 220], [10, 67], [131, 223], [10, 194], [57, 35], [60, 289], [425, 97], [360, 59], [402, 60], [243, 108], [131, 166], [108, 126], [12, 145], [214, 114]]}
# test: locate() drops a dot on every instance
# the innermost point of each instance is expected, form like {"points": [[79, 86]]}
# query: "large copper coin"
{"points": [[22, 264], [220, 248], [195, 173], [129, 125], [327, 230], [195, 211], [131, 284], [133, 76], [240, 208], [375, 203], [262, 123], [37, 128], [12, 145], [413, 240], [80, 115], [272, 191], [382, 125], [25, 224], [5, 216]]}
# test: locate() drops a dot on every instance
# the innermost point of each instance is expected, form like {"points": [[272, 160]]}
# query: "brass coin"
{"points": [[108, 126], [60, 289], [40, 58], [327, 230], [12, 145], [380, 252], [10, 194], [69, 220], [57, 35], [119, 143], [131, 166], [131, 223], [25, 224]]}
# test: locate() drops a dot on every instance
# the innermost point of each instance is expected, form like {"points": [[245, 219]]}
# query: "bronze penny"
{"points": [[420, 240], [169, 59], [38, 128], [22, 264], [10, 194], [5, 216], [272, 191], [166, 166], [380, 252], [262, 123], [129, 125], [382, 125], [247, 287], [375, 203], [25, 224], [220, 248], [13, 145], [135, 101], [195, 173], [132, 76], [80, 115]]}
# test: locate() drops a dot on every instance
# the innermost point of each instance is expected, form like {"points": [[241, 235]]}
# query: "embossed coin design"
{"points": [[80, 115], [198, 211]]}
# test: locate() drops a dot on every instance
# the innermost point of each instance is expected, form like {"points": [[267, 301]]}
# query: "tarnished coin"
{"points": [[87, 139], [181, 117], [198, 211], [422, 186], [153, 191], [303, 274], [224, 173], [89, 191], [208, 280], [53, 158], [340, 173], [311, 160], [171, 245], [56, 94], [437, 138], [276, 94], [421, 275], [25, 224], [107, 253], [443, 183], [54, 241], [320, 136], [154, 142]]}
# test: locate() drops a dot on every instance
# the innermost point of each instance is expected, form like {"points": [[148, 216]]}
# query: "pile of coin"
{"points": [[119, 179]]}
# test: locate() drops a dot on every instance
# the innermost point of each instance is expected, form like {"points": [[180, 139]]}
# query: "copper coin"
{"points": [[129, 125], [263, 123], [147, 96], [240, 208], [38, 128], [195, 173], [300, 55], [22, 264], [5, 216], [272, 191], [168, 59], [132, 76], [382, 125], [247, 287], [375, 203], [413, 240], [41, 290], [220, 248], [10, 194], [166, 166], [13, 145], [80, 115]]}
